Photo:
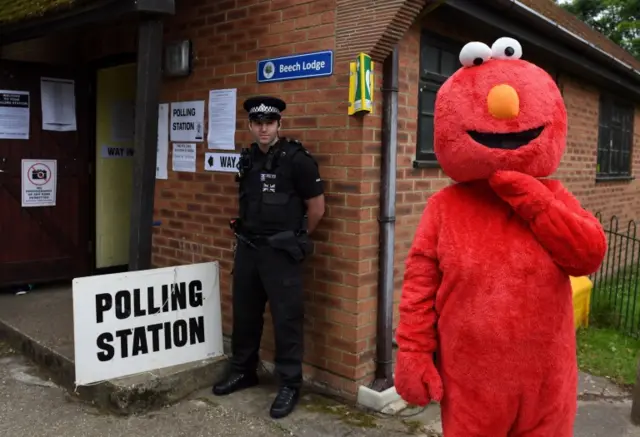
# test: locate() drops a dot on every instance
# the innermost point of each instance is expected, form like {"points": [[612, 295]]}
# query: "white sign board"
{"points": [[39, 182], [14, 115], [224, 162], [187, 121], [135, 322]]}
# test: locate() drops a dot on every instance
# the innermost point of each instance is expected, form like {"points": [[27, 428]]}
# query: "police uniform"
{"points": [[273, 187]]}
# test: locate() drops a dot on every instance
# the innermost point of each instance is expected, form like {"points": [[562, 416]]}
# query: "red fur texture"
{"points": [[486, 286]]}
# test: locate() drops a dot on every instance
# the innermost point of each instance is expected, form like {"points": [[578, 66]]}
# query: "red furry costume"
{"points": [[487, 279]]}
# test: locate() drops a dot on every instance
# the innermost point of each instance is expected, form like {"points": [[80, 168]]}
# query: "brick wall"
{"points": [[229, 37], [577, 169]]}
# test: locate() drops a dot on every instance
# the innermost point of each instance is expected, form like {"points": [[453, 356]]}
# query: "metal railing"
{"points": [[614, 301]]}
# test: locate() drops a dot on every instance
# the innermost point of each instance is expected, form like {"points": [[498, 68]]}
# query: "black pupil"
{"points": [[509, 51], [477, 61]]}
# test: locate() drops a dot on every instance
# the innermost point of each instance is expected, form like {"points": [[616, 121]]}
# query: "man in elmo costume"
{"points": [[487, 285]]}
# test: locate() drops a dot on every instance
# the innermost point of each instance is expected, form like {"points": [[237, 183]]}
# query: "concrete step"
{"points": [[40, 326]]}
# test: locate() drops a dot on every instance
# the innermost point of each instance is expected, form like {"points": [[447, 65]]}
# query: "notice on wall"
{"points": [[116, 152], [162, 156], [14, 115], [187, 121], [39, 182], [58, 104], [224, 162], [222, 119], [184, 157], [123, 119], [135, 322]]}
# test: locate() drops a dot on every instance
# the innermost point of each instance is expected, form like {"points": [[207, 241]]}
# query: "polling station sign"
{"points": [[303, 66], [187, 122], [134, 322]]}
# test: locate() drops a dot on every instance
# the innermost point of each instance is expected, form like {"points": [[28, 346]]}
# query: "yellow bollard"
{"points": [[582, 287]]}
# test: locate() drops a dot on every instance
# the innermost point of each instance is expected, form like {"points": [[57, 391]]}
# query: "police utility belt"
{"points": [[295, 244]]}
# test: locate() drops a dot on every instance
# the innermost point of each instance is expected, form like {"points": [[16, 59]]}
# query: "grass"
{"points": [[610, 347], [608, 353]]}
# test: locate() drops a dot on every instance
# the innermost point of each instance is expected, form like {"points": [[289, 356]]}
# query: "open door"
{"points": [[48, 239], [115, 103]]}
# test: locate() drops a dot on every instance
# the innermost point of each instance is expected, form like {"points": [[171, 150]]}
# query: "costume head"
{"points": [[498, 112]]}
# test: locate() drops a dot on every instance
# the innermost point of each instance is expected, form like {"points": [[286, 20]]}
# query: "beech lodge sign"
{"points": [[301, 66], [133, 322]]}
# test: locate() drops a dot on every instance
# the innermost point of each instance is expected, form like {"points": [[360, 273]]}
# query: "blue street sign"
{"points": [[304, 66]]}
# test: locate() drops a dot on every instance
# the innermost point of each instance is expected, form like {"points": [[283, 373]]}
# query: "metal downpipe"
{"points": [[387, 218]]}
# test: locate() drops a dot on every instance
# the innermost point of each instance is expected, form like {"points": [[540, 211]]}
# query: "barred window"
{"points": [[615, 138]]}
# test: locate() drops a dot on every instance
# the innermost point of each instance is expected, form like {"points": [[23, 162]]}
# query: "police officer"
{"points": [[281, 202]]}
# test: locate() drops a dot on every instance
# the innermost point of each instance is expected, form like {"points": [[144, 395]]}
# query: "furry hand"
{"points": [[526, 195], [416, 380]]}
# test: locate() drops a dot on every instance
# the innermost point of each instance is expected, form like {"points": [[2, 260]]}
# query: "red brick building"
{"points": [[598, 79]]}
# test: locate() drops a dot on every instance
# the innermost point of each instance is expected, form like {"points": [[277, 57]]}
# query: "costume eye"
{"points": [[506, 48], [474, 53]]}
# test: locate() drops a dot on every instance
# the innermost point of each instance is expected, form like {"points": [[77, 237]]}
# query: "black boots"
{"points": [[235, 382], [285, 402]]}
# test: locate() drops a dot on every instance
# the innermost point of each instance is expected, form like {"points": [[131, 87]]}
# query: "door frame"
{"points": [[94, 67]]}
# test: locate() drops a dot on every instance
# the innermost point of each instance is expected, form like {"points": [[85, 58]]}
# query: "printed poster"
{"points": [[58, 104], [39, 182], [222, 119], [184, 157], [14, 115], [163, 142]]}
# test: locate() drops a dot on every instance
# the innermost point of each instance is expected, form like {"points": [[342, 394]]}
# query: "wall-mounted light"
{"points": [[177, 59]]}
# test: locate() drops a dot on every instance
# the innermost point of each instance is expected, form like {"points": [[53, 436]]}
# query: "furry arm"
{"points": [[417, 380], [571, 235]]}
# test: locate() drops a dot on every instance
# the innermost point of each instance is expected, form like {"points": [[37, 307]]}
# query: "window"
{"points": [[615, 139], [438, 61]]}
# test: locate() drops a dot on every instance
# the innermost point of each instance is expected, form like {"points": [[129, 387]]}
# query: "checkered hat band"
{"points": [[264, 108]]}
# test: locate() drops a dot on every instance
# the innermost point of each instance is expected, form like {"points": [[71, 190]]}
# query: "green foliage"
{"points": [[619, 20], [13, 11]]}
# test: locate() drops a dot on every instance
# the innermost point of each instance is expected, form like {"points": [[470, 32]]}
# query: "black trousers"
{"points": [[262, 274]]}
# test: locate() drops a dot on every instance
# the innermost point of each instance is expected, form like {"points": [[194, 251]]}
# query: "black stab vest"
{"points": [[269, 202]]}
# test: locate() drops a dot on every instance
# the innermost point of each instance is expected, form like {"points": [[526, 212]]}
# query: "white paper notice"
{"points": [[224, 162], [122, 121], [163, 142], [14, 115], [58, 104], [187, 121], [222, 119], [39, 181], [184, 157]]}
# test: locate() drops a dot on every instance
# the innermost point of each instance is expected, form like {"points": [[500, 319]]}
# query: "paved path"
{"points": [[31, 406]]}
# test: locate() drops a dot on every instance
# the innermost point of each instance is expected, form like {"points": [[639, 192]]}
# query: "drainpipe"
{"points": [[384, 340]]}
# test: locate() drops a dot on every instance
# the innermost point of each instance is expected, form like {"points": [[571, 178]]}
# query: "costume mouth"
{"points": [[508, 141]]}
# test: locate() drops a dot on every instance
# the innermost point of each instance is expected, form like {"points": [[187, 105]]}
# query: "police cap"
{"points": [[264, 108]]}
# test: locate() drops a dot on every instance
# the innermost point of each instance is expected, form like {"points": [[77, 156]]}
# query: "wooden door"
{"points": [[45, 243]]}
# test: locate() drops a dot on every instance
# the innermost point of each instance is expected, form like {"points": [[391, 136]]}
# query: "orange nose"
{"points": [[503, 102]]}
